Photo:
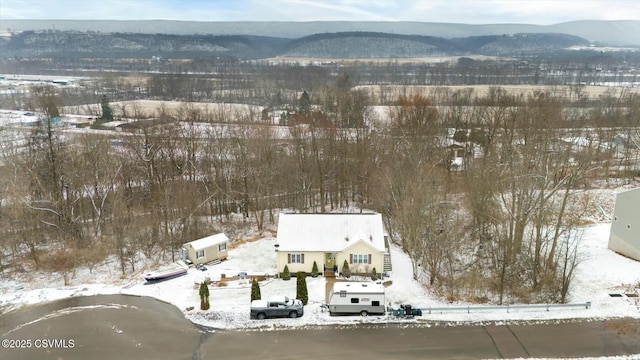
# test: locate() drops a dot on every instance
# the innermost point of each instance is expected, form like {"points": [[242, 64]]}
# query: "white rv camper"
{"points": [[364, 298]]}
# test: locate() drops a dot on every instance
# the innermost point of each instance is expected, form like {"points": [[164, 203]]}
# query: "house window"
{"points": [[355, 300], [199, 254], [296, 258], [361, 259], [222, 247]]}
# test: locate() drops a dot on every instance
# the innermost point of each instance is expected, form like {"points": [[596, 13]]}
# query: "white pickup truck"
{"points": [[276, 306]]}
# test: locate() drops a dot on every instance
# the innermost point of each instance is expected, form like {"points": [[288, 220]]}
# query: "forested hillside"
{"points": [[620, 32], [369, 45], [331, 45], [114, 45]]}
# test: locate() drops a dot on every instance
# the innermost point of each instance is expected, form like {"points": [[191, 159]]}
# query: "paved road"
{"points": [[143, 329], [119, 327]]}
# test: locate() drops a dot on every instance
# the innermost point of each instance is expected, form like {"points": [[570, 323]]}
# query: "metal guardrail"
{"points": [[469, 309]]}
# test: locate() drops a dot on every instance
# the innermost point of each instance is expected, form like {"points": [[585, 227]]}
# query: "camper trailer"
{"points": [[349, 298]]}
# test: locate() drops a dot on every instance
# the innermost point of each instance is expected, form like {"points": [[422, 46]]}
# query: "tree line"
{"points": [[267, 82], [504, 227]]}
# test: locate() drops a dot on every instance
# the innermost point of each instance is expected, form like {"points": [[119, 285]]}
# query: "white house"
{"points": [[625, 227], [329, 240], [210, 248]]}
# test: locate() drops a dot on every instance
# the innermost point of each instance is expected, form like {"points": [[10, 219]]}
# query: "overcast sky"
{"points": [[541, 12]]}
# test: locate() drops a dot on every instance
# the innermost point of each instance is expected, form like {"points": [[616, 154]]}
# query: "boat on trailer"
{"points": [[176, 269]]}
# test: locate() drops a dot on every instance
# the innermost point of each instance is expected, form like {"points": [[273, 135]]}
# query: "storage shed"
{"points": [[210, 248]]}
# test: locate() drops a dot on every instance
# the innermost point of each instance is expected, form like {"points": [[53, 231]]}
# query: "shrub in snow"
{"points": [[204, 296], [346, 272], [286, 275], [314, 270], [374, 275], [255, 290], [301, 287]]}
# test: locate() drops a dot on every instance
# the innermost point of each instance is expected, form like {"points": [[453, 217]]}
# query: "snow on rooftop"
{"points": [[329, 232], [208, 241], [628, 190], [358, 287], [15, 117]]}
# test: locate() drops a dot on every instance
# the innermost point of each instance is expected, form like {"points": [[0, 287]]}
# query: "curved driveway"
{"points": [[125, 327]]}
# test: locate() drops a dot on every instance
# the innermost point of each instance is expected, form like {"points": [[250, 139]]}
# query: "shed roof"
{"points": [[329, 232], [208, 241]]}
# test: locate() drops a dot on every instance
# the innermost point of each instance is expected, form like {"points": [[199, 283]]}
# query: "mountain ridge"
{"points": [[611, 32], [58, 43]]}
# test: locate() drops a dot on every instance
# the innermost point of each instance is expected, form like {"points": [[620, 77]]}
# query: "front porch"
{"points": [[330, 269], [330, 272]]}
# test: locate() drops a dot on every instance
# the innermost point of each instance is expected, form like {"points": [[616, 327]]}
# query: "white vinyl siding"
{"points": [[624, 237]]}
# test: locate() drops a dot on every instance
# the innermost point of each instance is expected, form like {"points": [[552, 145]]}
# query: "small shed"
{"points": [[625, 227], [210, 248]]}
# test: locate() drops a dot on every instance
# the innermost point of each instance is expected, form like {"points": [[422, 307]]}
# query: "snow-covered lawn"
{"points": [[601, 273]]}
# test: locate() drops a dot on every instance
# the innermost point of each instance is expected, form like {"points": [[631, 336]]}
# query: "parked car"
{"points": [[201, 267], [276, 306]]}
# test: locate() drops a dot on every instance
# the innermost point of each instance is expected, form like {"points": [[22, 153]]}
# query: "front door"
{"points": [[329, 261]]}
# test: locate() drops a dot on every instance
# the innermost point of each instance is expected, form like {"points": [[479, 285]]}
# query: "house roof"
{"points": [[208, 241], [628, 191], [329, 232]]}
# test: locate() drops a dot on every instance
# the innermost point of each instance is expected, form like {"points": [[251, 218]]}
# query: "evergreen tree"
{"points": [[255, 290], [304, 104], [461, 135], [479, 137], [314, 270], [301, 287], [286, 275], [204, 296], [346, 272], [374, 275], [107, 114]]}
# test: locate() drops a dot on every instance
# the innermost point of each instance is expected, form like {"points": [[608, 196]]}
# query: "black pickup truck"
{"points": [[276, 306]]}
